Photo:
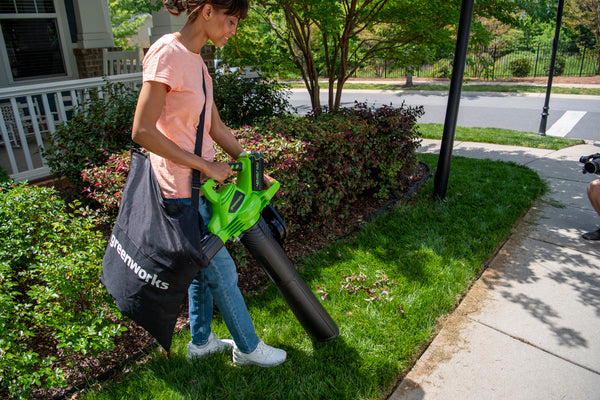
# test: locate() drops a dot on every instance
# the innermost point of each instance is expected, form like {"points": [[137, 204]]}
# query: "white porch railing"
{"points": [[31, 113], [122, 62]]}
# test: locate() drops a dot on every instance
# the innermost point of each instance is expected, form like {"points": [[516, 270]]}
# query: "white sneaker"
{"points": [[263, 356], [214, 345]]}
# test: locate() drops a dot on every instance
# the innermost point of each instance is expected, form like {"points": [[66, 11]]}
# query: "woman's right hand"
{"points": [[219, 171]]}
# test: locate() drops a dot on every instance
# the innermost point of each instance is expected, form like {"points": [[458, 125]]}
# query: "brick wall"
{"points": [[89, 62]]}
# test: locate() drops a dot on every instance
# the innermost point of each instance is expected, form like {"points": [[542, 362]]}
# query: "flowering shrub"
{"points": [[50, 291], [107, 182], [324, 161]]}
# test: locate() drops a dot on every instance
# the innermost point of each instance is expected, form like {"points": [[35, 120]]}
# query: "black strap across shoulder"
{"points": [[196, 184]]}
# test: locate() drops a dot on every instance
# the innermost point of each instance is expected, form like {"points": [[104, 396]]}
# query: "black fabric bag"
{"points": [[153, 254], [155, 249]]}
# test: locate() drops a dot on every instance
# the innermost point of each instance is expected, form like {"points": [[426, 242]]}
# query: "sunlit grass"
{"points": [[500, 136], [467, 87], [387, 287]]}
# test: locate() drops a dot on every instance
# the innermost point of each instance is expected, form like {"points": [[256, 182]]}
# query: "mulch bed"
{"points": [[135, 343]]}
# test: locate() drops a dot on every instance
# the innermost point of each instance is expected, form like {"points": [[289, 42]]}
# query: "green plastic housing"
{"points": [[236, 208]]}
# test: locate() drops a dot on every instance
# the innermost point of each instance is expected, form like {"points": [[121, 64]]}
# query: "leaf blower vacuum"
{"points": [[243, 211]]}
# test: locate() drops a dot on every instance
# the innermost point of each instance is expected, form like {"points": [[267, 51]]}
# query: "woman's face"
{"points": [[220, 26]]}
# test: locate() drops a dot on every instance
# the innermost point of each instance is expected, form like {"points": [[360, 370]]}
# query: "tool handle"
{"points": [[236, 166]]}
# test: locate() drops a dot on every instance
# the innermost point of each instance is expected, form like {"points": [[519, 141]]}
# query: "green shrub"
{"points": [[4, 175], [560, 63], [520, 67], [106, 185], [442, 69], [101, 125], [324, 161], [242, 101], [52, 304]]}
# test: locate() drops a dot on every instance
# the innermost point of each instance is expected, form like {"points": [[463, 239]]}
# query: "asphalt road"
{"points": [[574, 116]]}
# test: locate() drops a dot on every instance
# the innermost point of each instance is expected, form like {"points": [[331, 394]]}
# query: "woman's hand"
{"points": [[219, 171], [267, 180]]}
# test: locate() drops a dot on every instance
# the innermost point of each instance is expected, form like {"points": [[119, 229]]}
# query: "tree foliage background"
{"points": [[332, 39], [127, 16], [311, 38]]}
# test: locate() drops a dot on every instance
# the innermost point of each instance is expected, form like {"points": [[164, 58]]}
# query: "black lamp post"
{"points": [[458, 70], [544, 121]]}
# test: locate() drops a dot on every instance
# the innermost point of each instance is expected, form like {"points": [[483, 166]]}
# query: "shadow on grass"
{"points": [[323, 371]]}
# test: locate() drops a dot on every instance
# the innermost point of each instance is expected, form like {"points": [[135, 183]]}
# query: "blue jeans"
{"points": [[219, 282]]}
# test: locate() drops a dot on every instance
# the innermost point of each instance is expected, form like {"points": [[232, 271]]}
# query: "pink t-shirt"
{"points": [[168, 61]]}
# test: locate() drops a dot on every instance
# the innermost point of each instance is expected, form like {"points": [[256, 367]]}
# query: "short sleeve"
{"points": [[160, 65]]}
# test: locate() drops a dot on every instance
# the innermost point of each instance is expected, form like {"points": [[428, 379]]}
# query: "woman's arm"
{"points": [[222, 135], [224, 138], [148, 110]]}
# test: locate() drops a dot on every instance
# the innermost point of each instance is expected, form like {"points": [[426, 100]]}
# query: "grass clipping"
{"points": [[387, 287]]}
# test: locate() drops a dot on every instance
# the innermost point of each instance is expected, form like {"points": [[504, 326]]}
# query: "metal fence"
{"points": [[498, 62]]}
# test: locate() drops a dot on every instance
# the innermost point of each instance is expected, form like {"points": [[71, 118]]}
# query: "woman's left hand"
{"points": [[267, 180]]}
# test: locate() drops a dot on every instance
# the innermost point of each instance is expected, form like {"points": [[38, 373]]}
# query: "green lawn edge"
{"points": [[499, 136], [467, 87]]}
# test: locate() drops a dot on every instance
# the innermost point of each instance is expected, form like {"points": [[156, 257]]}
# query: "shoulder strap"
{"points": [[196, 184]]}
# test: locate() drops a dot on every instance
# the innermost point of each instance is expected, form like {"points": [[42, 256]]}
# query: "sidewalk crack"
{"points": [[525, 341]]}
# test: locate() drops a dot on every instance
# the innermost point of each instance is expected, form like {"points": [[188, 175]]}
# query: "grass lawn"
{"points": [[388, 287], [500, 136]]}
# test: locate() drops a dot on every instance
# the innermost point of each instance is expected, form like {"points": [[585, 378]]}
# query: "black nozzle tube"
{"points": [[306, 307]]}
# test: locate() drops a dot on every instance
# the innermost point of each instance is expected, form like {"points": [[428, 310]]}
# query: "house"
{"points": [[51, 53]]}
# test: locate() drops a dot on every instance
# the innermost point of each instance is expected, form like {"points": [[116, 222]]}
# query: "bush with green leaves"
{"points": [[323, 161], [106, 183], [3, 175], [326, 160], [53, 307], [101, 125], [243, 101], [520, 67], [560, 63], [442, 69]]}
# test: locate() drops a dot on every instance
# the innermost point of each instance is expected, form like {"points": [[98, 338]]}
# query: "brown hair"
{"points": [[239, 8]]}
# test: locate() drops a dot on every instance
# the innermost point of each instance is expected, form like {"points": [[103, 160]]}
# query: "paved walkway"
{"points": [[529, 328]]}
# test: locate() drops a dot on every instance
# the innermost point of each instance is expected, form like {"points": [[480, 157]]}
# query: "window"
{"points": [[26, 6], [30, 32]]}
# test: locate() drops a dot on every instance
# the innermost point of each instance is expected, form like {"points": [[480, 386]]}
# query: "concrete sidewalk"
{"points": [[529, 328]]}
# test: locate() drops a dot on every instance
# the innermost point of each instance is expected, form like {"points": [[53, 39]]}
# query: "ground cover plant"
{"points": [[387, 286], [53, 309]]}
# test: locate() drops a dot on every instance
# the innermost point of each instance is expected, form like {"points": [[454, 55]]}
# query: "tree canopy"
{"points": [[334, 38], [127, 16]]}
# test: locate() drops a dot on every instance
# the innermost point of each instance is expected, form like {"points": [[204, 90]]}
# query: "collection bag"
{"points": [[155, 249], [153, 254]]}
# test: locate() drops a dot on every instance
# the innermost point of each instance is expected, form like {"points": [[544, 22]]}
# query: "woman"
{"points": [[165, 123]]}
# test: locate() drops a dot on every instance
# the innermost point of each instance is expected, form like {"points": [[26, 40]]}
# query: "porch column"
{"points": [[163, 23], [94, 29]]}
